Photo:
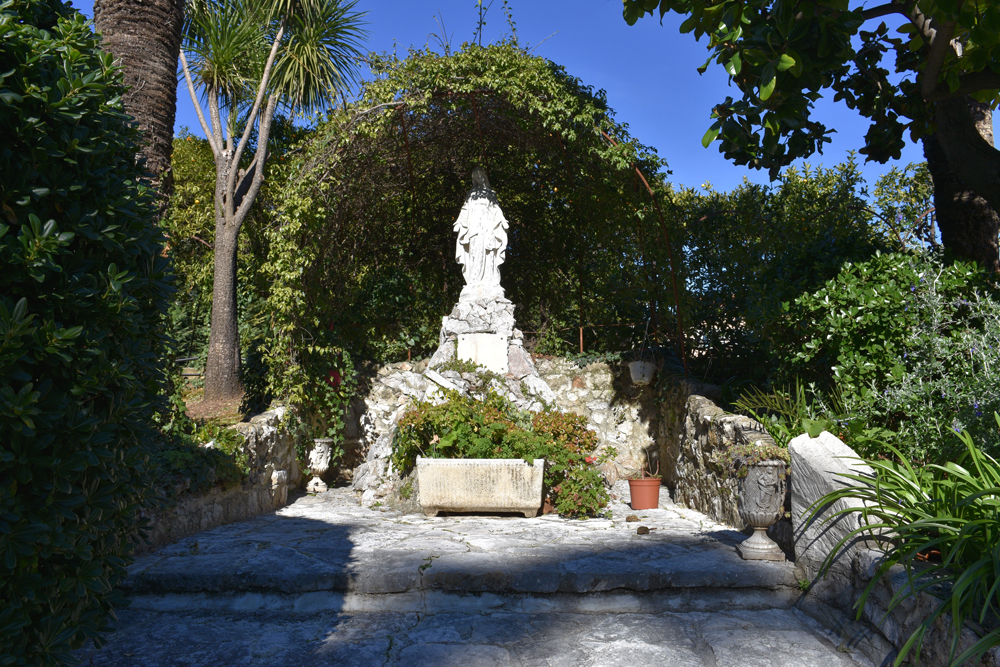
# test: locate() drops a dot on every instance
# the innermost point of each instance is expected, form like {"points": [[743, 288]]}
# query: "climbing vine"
{"points": [[362, 258]]}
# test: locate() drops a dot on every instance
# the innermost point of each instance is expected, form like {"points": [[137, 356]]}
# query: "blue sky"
{"points": [[649, 72]]}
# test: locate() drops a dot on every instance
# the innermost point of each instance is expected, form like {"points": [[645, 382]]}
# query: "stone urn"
{"points": [[319, 464], [761, 504]]}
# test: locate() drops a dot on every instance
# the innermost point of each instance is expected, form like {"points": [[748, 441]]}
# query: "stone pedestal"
{"points": [[489, 350]]}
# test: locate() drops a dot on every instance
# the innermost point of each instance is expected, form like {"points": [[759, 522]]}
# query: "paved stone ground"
{"points": [[327, 582], [769, 638]]}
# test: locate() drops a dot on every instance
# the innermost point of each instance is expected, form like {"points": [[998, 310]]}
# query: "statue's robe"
{"points": [[482, 238]]}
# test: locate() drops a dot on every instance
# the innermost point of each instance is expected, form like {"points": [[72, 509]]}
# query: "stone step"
{"points": [[767, 638], [435, 602], [327, 552]]}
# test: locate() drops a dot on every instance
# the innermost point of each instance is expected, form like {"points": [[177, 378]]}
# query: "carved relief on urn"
{"points": [[762, 503]]}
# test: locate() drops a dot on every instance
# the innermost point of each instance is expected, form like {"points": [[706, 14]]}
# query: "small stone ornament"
{"points": [[319, 464], [762, 503]]}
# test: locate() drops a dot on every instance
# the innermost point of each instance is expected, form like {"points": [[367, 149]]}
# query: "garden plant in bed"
{"points": [[463, 427]]}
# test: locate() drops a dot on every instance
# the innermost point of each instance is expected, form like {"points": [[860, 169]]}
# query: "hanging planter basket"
{"points": [[642, 371]]}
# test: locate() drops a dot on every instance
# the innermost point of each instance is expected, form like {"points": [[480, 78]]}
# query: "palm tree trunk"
{"points": [[145, 39]]}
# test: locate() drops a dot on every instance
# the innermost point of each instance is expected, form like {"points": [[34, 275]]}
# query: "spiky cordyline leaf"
{"points": [[317, 57], [320, 57], [228, 40]]}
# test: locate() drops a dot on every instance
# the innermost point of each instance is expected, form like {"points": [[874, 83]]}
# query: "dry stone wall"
{"points": [[677, 428], [273, 470], [623, 415], [694, 436]]}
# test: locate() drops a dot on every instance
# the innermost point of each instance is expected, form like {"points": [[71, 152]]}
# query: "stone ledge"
{"points": [[431, 602]]}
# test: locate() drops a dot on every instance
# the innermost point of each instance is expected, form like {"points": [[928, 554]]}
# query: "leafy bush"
{"points": [[910, 345], [83, 294], [179, 462], [786, 414], [942, 523], [494, 428], [748, 251]]}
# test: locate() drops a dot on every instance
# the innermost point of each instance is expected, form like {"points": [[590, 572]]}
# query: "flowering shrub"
{"points": [[910, 344], [494, 428]]}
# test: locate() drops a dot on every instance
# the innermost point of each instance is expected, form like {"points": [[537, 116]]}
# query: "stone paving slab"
{"points": [[329, 543], [326, 582], [771, 638]]}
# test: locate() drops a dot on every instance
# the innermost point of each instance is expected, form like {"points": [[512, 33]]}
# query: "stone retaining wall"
{"points": [[273, 470], [817, 468], [680, 430], [623, 414], [694, 436]]}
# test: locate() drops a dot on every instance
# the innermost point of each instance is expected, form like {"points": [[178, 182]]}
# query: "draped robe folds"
{"points": [[482, 238]]}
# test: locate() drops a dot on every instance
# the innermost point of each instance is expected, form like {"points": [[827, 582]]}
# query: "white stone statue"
{"points": [[482, 240]]}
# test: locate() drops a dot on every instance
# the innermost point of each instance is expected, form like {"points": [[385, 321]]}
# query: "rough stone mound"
{"points": [[396, 386]]}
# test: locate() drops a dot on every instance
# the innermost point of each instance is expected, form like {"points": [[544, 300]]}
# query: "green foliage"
{"points": [[904, 199], [179, 462], [190, 227], [463, 427], [787, 414], [365, 245], [918, 513], [782, 57], [459, 366], [910, 344], [229, 42], [83, 290], [749, 251], [738, 459]]}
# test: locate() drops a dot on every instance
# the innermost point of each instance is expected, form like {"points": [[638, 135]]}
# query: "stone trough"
{"points": [[480, 485]]}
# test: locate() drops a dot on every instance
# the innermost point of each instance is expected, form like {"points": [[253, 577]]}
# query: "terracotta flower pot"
{"points": [[645, 493]]}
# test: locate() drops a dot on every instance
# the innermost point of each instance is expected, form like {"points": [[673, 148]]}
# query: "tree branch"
{"points": [[970, 83], [885, 10], [265, 77], [939, 49], [923, 24], [197, 106], [263, 134], [213, 114], [206, 243]]}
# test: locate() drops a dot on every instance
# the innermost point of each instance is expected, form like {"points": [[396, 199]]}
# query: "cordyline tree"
{"points": [[248, 58], [782, 56]]}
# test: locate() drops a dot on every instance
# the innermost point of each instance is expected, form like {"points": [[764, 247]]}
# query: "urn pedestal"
{"points": [[762, 503]]}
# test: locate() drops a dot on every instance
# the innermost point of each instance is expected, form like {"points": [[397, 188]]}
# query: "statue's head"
{"points": [[479, 179]]}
